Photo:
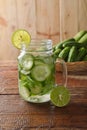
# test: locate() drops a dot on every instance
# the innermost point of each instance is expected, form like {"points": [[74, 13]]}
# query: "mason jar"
{"points": [[36, 68]]}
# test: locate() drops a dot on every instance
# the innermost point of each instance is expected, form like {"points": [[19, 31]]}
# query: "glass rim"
{"points": [[40, 41], [36, 43]]}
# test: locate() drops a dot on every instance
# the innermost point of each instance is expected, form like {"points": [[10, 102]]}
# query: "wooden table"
{"points": [[16, 114]]}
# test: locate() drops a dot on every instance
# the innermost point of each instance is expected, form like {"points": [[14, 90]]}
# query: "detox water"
{"points": [[36, 69]]}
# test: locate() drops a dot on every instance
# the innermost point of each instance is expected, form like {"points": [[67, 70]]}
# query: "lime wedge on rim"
{"points": [[60, 96], [20, 37]]}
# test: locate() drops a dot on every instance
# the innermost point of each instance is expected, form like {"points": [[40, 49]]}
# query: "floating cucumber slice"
{"points": [[26, 62], [40, 72], [36, 88], [24, 92], [38, 62], [25, 72]]}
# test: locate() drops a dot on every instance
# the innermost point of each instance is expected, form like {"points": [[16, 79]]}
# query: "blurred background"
{"points": [[54, 19]]}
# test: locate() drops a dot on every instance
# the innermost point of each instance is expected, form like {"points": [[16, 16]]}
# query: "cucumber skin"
{"points": [[79, 41], [64, 53], [74, 43], [81, 54], [56, 53], [83, 39], [60, 45], [70, 43], [72, 54], [79, 35]]}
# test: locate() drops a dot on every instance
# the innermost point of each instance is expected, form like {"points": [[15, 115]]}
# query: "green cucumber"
{"points": [[81, 54], [64, 53], [79, 35], [72, 54], [56, 53], [40, 72], [83, 39], [60, 45], [70, 43]]}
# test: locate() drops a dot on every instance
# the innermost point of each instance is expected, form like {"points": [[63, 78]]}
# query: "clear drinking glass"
{"points": [[36, 67]]}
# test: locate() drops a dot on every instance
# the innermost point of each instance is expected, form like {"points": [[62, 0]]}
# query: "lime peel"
{"points": [[60, 96], [20, 37]]}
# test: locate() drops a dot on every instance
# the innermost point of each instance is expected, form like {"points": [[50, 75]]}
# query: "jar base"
{"points": [[39, 99]]}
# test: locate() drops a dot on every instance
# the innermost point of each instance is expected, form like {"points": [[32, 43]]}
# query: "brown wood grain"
{"points": [[74, 67], [82, 15], [55, 19], [68, 18], [16, 113], [48, 19], [8, 23]]}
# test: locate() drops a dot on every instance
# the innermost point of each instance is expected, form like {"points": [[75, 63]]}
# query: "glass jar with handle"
{"points": [[36, 68]]}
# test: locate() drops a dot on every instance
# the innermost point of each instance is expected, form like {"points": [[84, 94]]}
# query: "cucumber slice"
{"points": [[41, 72], [37, 88], [26, 62], [49, 60], [38, 62], [24, 92], [25, 72]]}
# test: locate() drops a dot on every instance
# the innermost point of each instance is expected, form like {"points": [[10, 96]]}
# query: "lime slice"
{"points": [[20, 37], [60, 96]]}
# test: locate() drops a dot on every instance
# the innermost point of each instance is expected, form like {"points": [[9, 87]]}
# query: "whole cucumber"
{"points": [[72, 54], [81, 54], [64, 53], [60, 45], [70, 43], [83, 39], [79, 35], [56, 52]]}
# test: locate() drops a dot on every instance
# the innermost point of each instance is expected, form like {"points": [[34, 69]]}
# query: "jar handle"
{"points": [[64, 70]]}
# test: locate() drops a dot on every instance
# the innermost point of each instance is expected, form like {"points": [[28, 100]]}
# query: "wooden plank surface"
{"points": [[8, 22], [82, 15], [55, 19], [26, 16], [16, 114], [68, 18], [48, 19]]}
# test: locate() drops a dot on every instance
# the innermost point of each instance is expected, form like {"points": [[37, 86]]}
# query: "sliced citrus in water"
{"points": [[60, 96], [20, 37]]}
